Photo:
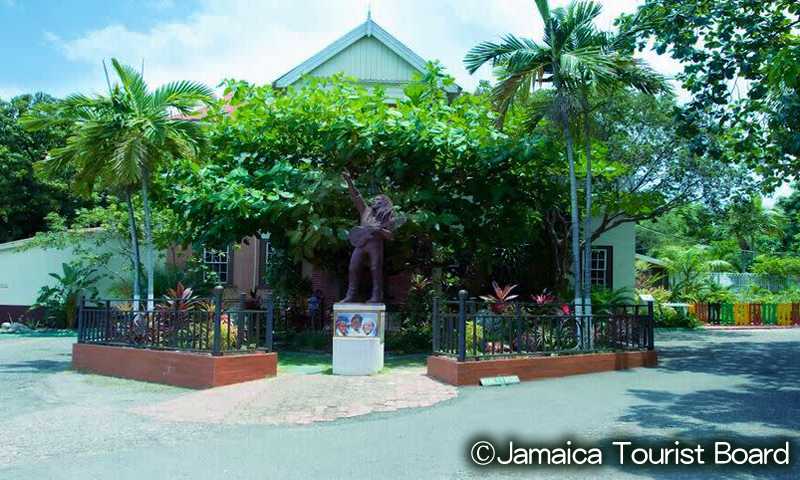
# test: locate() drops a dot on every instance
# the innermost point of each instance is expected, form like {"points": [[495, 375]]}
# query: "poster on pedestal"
{"points": [[358, 333], [358, 321]]}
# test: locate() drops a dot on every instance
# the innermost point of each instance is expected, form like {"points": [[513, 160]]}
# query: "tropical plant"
{"points": [[689, 267], [60, 302], [498, 302], [564, 55], [748, 220], [419, 302], [121, 140]]}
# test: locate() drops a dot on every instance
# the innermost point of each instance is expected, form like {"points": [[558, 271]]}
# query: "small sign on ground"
{"points": [[499, 381]]}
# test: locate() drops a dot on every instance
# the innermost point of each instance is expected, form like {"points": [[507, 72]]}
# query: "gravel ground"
{"points": [[744, 386]]}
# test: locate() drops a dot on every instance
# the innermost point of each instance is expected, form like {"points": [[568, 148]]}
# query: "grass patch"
{"points": [[292, 360]]}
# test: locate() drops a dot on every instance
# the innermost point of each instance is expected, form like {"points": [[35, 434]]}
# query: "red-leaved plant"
{"points": [[499, 301]]}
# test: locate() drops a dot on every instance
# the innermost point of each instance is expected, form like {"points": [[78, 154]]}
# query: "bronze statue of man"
{"points": [[377, 224]]}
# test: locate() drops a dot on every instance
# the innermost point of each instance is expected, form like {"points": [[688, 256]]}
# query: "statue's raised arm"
{"points": [[355, 195]]}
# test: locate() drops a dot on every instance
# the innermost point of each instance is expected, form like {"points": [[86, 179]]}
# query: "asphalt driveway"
{"points": [[743, 386]]}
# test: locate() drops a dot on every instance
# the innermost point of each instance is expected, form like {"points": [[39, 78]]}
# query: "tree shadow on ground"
{"points": [[35, 366], [760, 411]]}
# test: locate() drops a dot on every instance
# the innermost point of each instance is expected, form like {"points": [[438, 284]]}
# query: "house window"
{"points": [[218, 262], [266, 252], [601, 268]]}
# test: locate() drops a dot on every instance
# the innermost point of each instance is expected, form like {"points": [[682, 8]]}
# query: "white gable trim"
{"points": [[366, 29]]}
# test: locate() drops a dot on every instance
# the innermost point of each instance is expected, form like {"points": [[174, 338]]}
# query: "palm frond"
{"points": [[133, 84], [544, 9], [181, 95]]}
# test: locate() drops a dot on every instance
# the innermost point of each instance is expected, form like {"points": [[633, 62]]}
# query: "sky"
{"points": [[58, 46]]}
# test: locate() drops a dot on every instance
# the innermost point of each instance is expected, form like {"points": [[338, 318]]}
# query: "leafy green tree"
{"points": [[741, 62], [748, 221], [275, 167], [790, 206], [125, 138], [27, 199], [647, 169]]}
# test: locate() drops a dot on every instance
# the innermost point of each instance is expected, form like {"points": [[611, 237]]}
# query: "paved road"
{"points": [[743, 386]]}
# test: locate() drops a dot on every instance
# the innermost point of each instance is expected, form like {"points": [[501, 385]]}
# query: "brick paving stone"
{"points": [[302, 398]]}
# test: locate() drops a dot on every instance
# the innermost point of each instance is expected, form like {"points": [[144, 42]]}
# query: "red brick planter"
{"points": [[457, 373], [181, 369]]}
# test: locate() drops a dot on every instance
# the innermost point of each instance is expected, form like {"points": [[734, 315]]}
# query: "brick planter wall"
{"points": [[180, 369], [458, 373]]}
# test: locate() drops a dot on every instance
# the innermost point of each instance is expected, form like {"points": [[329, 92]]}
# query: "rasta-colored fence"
{"points": [[747, 314]]}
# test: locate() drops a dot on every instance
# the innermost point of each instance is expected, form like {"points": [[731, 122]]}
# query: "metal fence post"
{"points": [[241, 320], [462, 325], [217, 320], [519, 326], [269, 325], [107, 321], [650, 331], [436, 332], [81, 320]]}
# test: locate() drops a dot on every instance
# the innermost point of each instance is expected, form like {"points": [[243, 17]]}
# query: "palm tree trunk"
{"points": [[137, 270], [587, 230], [573, 194], [148, 236]]}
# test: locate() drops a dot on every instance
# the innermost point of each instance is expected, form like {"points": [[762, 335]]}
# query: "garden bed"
{"points": [[180, 369], [451, 371]]}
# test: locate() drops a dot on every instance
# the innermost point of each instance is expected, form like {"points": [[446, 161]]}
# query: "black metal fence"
{"points": [[472, 330], [190, 324], [296, 317]]}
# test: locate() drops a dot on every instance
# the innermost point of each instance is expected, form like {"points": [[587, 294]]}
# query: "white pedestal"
{"points": [[357, 351], [357, 356]]}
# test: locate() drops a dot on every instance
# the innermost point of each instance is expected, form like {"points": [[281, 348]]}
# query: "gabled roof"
{"points": [[366, 29]]}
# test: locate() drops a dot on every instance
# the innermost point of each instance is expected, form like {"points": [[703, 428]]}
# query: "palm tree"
{"points": [[565, 53], [124, 138], [87, 158], [627, 72], [748, 221], [689, 267]]}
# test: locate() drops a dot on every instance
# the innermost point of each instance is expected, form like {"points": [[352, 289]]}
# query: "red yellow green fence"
{"points": [[745, 314]]}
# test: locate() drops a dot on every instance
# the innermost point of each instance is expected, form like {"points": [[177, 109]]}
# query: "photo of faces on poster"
{"points": [[356, 325]]}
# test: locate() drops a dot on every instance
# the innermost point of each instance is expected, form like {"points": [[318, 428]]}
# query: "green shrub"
{"points": [[305, 341], [60, 302], [771, 265], [668, 317], [409, 340]]}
